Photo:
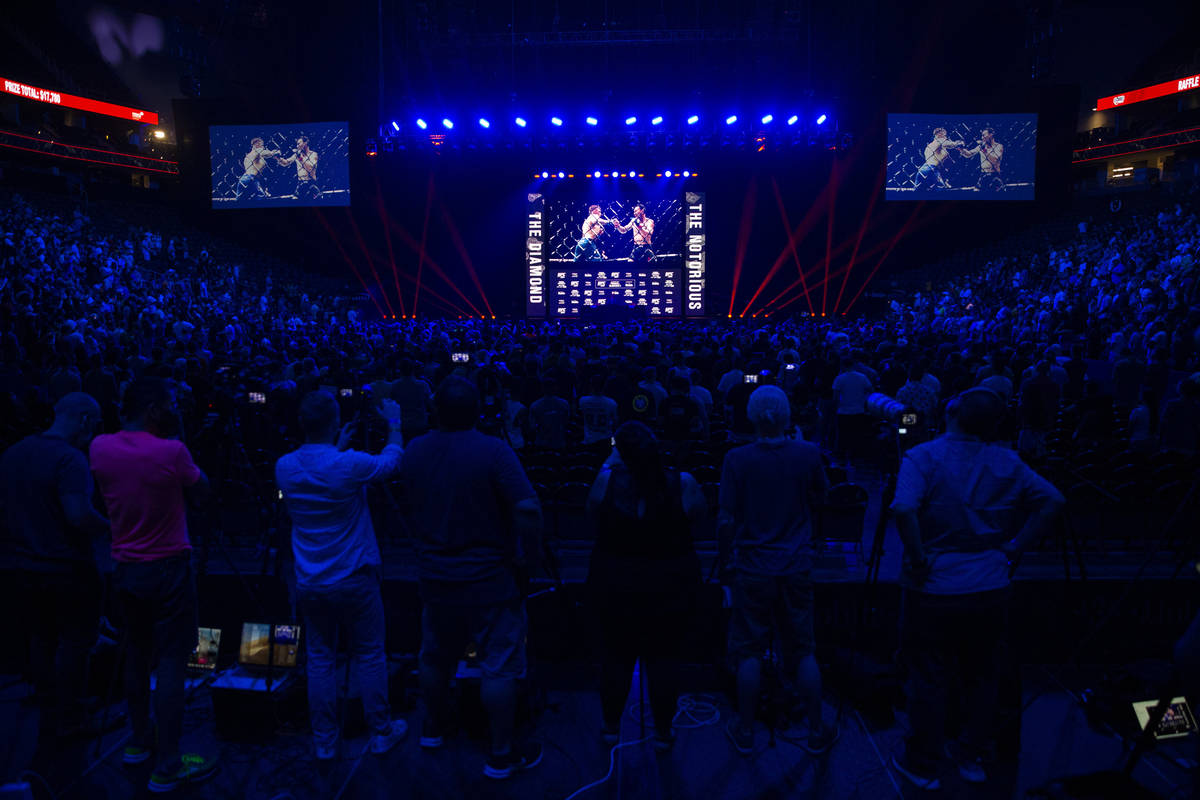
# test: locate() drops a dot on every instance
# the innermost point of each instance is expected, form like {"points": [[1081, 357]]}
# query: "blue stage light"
{"points": [[693, 119], [483, 123], [395, 125], [615, 174], [556, 121], [732, 118], [421, 124], [596, 174], [656, 121], [630, 120], [545, 174], [667, 173], [520, 122], [793, 119], [562, 175], [592, 121], [447, 124], [686, 173], [821, 119], [768, 119]]}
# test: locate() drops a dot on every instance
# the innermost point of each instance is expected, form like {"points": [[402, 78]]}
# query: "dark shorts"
{"points": [[767, 607], [498, 634]]}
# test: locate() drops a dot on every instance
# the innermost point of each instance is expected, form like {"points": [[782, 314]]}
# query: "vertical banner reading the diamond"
{"points": [[535, 260], [693, 264]]}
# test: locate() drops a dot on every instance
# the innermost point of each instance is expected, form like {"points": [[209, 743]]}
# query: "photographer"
{"points": [[477, 524], [769, 490], [964, 507], [644, 574], [338, 568], [144, 473]]}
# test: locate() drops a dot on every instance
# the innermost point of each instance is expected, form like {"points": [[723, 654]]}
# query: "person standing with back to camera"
{"points": [[965, 508]]}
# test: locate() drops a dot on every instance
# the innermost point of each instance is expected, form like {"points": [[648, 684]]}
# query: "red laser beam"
{"points": [[429, 290], [346, 257], [424, 240], [383, 217], [462, 252], [891, 246], [743, 236], [787, 226], [362, 245], [412, 243], [876, 190], [834, 178]]}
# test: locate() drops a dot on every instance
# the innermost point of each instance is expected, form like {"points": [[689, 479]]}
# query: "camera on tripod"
{"points": [[891, 410]]}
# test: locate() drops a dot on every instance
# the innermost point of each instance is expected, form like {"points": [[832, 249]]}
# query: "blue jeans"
{"points": [[353, 606], [158, 599], [249, 184], [924, 173], [587, 250]]}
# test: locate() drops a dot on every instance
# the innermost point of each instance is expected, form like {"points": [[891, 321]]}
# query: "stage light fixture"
{"points": [[768, 119], [793, 119], [422, 124], [821, 119], [592, 121], [630, 120], [693, 119], [556, 122], [483, 123], [614, 174], [686, 173], [562, 175], [656, 121], [520, 122], [596, 174], [732, 118], [395, 125], [447, 124], [545, 174], [667, 173]]}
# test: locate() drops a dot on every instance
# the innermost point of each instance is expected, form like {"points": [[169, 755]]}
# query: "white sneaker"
{"points": [[382, 742]]}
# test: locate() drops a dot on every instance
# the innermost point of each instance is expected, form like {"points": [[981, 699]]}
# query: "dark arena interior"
{"points": [[716, 400]]}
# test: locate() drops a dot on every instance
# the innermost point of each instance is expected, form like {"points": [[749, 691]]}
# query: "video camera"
{"points": [[891, 410]]}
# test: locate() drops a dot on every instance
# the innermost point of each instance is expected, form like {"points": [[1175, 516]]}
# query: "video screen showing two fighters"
{"points": [[961, 156], [602, 230], [273, 166]]}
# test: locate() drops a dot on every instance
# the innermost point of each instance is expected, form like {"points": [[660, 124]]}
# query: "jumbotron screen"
{"points": [[611, 249], [274, 166], [961, 156]]}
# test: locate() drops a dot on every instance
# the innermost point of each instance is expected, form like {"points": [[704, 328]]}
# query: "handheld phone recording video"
{"points": [[460, 358], [751, 378], [790, 367], [257, 398], [345, 393]]}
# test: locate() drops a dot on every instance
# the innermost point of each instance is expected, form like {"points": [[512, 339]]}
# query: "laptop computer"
{"points": [[208, 649], [256, 654]]}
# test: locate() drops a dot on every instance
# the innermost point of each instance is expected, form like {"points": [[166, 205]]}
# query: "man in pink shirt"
{"points": [[144, 473]]}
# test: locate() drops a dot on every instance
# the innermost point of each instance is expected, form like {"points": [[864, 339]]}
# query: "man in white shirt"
{"points": [[338, 568], [599, 413], [850, 391]]}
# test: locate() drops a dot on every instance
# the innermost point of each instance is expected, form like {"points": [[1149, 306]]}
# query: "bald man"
{"points": [[46, 556]]}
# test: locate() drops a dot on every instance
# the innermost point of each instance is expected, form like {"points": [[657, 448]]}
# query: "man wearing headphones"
{"points": [[965, 507]]}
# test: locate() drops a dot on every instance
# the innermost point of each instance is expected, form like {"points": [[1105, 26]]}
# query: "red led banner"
{"points": [[82, 103], [1149, 93]]}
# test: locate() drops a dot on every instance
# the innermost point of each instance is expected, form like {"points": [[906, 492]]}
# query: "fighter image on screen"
{"points": [[990, 153], [937, 152], [588, 246], [252, 166], [643, 234], [306, 169]]}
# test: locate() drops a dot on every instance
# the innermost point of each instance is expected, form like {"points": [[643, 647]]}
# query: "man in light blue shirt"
{"points": [[324, 486], [964, 508]]}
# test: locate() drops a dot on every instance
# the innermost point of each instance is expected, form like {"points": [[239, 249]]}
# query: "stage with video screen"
{"points": [[605, 252], [273, 166], [961, 156]]}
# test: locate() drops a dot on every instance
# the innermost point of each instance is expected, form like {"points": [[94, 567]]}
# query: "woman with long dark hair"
{"points": [[644, 574]]}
